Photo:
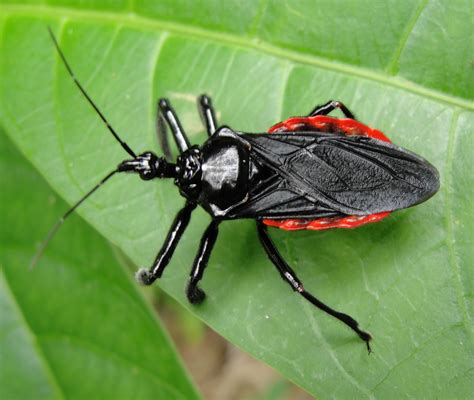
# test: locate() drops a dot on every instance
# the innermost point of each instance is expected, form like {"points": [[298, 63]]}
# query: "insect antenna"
{"points": [[91, 102], [58, 224]]}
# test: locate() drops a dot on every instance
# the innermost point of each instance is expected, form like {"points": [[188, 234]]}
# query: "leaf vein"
{"points": [[392, 65]]}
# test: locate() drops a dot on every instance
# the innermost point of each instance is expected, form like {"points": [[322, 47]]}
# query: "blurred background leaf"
{"points": [[76, 326], [405, 67]]}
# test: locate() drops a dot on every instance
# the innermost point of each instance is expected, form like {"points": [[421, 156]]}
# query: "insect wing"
{"points": [[346, 175]]}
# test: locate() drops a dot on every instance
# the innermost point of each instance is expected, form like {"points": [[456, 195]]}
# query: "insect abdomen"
{"points": [[364, 176]]}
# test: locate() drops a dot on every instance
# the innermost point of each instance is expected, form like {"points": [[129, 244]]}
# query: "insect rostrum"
{"points": [[310, 172]]}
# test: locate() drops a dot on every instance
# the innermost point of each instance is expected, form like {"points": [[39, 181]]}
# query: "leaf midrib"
{"points": [[248, 42]]}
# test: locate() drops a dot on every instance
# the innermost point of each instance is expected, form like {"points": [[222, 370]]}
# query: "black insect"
{"points": [[313, 172]]}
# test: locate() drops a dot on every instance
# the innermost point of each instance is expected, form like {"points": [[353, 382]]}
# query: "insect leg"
{"points": [[194, 293], [173, 122], [147, 277], [162, 134], [289, 276], [208, 116], [330, 106]]}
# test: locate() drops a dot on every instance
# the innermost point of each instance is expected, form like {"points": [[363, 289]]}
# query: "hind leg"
{"points": [[330, 106], [290, 277]]}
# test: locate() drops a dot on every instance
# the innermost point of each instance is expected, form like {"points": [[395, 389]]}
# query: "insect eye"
{"points": [[148, 169], [146, 175]]}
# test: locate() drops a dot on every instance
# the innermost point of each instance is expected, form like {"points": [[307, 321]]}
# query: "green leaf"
{"points": [[404, 67], [74, 327]]}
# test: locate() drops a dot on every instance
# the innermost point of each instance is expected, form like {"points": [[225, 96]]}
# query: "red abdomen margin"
{"points": [[324, 123]]}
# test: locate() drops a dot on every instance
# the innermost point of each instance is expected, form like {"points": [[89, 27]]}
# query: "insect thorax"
{"points": [[215, 176]]}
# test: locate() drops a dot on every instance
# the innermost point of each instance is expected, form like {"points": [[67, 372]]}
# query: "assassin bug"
{"points": [[313, 172]]}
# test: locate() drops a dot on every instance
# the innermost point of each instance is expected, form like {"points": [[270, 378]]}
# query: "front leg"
{"points": [[147, 277], [289, 276], [162, 134], [172, 120], [208, 116], [194, 293]]}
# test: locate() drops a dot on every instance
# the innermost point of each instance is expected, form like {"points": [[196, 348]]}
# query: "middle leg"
{"points": [[289, 276], [194, 293]]}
